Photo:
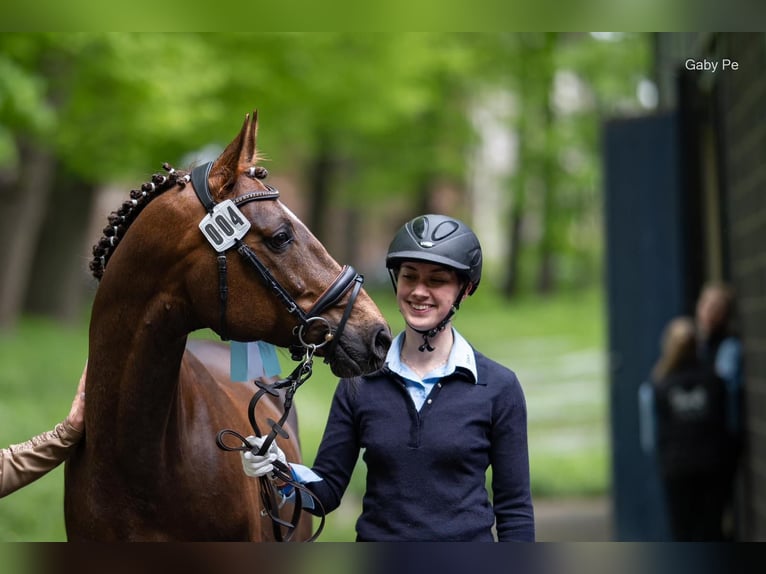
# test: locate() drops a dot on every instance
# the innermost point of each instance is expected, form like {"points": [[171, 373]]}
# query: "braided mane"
{"points": [[120, 220]]}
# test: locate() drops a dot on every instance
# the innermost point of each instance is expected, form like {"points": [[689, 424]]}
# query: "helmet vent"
{"points": [[420, 227], [444, 229]]}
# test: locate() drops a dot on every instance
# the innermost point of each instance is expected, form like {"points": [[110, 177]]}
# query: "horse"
{"points": [[149, 467]]}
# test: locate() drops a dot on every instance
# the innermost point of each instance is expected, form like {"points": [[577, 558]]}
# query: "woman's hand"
{"points": [[256, 465], [76, 416]]}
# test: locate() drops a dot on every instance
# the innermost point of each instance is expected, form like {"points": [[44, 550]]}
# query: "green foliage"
{"points": [[41, 365], [23, 102], [392, 111]]}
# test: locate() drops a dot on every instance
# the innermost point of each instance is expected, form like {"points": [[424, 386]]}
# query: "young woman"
{"points": [[694, 446], [23, 463], [434, 419]]}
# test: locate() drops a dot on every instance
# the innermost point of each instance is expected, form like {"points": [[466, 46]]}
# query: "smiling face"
{"points": [[425, 293]]}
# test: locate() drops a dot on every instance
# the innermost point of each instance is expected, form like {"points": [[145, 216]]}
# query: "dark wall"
{"points": [[646, 286], [728, 108], [741, 110]]}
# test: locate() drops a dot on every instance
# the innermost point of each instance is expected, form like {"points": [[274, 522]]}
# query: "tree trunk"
{"points": [[546, 271], [351, 235], [511, 284], [24, 205], [512, 281], [61, 257], [423, 200], [320, 178]]}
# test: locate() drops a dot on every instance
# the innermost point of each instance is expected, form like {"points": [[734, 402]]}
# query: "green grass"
{"points": [[555, 346], [40, 365]]}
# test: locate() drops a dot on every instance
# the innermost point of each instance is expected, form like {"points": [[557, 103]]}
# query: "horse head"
{"points": [[279, 285]]}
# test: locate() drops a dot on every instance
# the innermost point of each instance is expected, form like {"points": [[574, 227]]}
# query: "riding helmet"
{"points": [[441, 240]]}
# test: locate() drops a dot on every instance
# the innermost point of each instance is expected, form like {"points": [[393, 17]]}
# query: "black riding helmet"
{"points": [[437, 239], [440, 240]]}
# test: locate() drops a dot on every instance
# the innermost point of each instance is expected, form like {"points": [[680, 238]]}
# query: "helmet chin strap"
{"points": [[431, 333]]}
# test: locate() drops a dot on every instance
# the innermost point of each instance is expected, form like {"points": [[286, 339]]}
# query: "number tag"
{"points": [[224, 226]]}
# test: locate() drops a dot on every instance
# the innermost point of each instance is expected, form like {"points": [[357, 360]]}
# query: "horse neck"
{"points": [[137, 341]]}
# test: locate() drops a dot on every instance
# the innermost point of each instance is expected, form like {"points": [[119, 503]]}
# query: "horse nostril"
{"points": [[382, 342]]}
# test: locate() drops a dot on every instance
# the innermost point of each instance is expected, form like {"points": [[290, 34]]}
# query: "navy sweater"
{"points": [[426, 470]]}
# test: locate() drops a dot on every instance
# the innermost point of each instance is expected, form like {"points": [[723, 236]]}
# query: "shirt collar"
{"points": [[461, 357]]}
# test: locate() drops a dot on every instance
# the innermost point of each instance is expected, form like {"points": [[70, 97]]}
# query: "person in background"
{"points": [[693, 442], [720, 347], [21, 464], [433, 420]]}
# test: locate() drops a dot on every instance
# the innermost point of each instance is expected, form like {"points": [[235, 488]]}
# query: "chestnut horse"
{"points": [[149, 468]]}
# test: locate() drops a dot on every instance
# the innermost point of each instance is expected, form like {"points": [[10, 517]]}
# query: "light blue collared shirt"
{"points": [[461, 356]]}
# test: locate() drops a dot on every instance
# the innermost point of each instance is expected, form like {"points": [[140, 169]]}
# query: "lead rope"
{"points": [[281, 471]]}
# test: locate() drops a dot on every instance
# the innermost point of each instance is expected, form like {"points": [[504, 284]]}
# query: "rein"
{"points": [[281, 471], [224, 226]]}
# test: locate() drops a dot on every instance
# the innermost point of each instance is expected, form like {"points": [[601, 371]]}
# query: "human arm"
{"points": [[339, 448], [335, 459], [512, 499], [76, 417], [728, 365], [21, 464]]}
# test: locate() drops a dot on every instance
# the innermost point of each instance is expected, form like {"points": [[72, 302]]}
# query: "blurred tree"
{"points": [[27, 114], [597, 76], [549, 165], [523, 65], [563, 85], [404, 165], [383, 120], [371, 121], [101, 105]]}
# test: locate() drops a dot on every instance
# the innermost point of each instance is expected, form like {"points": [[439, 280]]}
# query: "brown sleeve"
{"points": [[23, 463]]}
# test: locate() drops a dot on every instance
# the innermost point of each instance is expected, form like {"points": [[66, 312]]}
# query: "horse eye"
{"points": [[280, 240]]}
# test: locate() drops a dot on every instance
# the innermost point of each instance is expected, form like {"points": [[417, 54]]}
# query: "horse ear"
{"points": [[247, 155], [239, 153]]}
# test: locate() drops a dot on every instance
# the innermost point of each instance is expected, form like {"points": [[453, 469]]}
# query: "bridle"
{"points": [[224, 226]]}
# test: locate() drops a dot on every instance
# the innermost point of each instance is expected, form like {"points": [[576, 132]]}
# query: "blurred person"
{"points": [[719, 346], [21, 464], [693, 443], [433, 420]]}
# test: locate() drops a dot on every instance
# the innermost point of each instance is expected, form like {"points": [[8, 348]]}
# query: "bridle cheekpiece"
{"points": [[225, 226]]}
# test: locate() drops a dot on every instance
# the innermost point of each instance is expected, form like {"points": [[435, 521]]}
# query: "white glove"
{"points": [[259, 465]]}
